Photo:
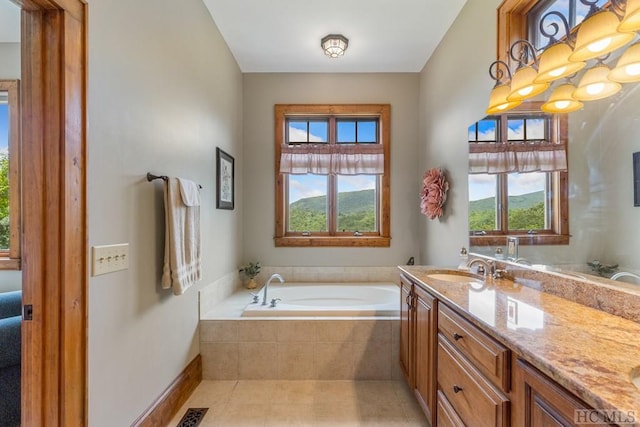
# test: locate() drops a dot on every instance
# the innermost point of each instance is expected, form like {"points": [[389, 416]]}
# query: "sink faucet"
{"points": [[266, 286], [484, 267]]}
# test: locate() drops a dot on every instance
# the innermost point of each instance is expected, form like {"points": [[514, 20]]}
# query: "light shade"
{"points": [[627, 69], [334, 45], [595, 84], [498, 101], [631, 20], [554, 63], [523, 85], [561, 100], [598, 35]]}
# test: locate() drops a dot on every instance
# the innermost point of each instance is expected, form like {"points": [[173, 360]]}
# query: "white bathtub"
{"points": [[371, 299]]}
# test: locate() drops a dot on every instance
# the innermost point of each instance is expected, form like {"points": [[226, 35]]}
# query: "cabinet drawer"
{"points": [[489, 356], [447, 416], [476, 401]]}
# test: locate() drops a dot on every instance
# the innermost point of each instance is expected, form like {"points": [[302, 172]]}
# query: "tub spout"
{"points": [[266, 286]]}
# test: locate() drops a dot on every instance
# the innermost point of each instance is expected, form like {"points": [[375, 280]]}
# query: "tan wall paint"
{"points": [[261, 92], [454, 87], [163, 92], [9, 60]]}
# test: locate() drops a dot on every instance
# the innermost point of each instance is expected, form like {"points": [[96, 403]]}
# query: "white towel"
{"points": [[182, 235]]}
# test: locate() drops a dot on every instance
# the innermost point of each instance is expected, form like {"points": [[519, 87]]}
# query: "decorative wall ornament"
{"points": [[434, 193]]}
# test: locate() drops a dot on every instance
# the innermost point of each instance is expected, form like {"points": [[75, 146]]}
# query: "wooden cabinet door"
{"points": [[406, 326], [425, 383], [546, 403]]}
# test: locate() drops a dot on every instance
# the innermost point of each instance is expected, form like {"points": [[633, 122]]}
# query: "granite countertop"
{"points": [[590, 352]]}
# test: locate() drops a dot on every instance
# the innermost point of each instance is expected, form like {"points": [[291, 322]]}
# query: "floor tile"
{"points": [[305, 403]]}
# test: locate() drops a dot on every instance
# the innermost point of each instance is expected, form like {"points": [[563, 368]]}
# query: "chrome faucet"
{"points": [[266, 286], [484, 267]]}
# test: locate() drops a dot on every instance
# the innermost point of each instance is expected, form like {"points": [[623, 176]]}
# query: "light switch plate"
{"points": [[109, 258]]}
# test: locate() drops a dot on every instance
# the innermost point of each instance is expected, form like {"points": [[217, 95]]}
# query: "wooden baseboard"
{"points": [[169, 402]]}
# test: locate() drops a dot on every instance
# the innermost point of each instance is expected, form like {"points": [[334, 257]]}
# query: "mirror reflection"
{"points": [[602, 219]]}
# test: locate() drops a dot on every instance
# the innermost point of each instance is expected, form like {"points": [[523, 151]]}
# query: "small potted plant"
{"points": [[251, 271]]}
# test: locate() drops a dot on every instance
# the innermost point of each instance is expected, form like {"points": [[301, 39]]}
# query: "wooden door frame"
{"points": [[54, 238]]}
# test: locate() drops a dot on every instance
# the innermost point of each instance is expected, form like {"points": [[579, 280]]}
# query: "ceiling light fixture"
{"points": [[523, 85], [598, 35], [554, 63], [498, 101], [595, 84], [334, 45]]}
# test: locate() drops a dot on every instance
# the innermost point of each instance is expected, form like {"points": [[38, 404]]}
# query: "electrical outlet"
{"points": [[109, 258]]}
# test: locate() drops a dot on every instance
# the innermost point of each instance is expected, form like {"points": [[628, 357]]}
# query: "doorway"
{"points": [[54, 247]]}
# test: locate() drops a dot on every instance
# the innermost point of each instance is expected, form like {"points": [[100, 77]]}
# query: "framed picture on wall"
{"points": [[225, 187], [636, 178]]}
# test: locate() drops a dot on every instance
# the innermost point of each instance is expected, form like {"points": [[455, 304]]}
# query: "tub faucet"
{"points": [[266, 286], [625, 274]]}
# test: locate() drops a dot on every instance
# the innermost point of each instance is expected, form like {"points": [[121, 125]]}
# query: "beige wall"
{"points": [[454, 89], [261, 92], [164, 91], [9, 60]]}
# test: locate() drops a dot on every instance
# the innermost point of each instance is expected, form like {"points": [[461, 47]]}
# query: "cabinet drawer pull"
{"points": [[457, 389], [457, 336]]}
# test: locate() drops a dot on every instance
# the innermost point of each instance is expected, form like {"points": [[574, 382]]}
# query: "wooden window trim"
{"points": [[10, 260], [381, 239], [559, 233]]}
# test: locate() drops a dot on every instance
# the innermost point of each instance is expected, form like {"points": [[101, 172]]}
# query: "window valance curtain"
{"points": [[332, 159], [494, 158]]}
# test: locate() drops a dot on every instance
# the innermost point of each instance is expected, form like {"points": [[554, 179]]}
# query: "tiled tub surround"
{"points": [[293, 348], [588, 351]]}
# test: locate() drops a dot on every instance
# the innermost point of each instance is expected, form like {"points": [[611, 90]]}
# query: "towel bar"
{"points": [[152, 177]]}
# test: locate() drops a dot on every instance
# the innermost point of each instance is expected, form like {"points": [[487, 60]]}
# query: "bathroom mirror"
{"points": [[603, 222]]}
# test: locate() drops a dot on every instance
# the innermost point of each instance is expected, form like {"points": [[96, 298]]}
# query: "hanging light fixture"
{"points": [[598, 35], [627, 69], [553, 63], [498, 101], [595, 84], [561, 100], [522, 82], [631, 20], [334, 45]]}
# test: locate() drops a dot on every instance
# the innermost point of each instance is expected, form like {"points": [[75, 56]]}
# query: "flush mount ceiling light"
{"points": [[334, 45]]}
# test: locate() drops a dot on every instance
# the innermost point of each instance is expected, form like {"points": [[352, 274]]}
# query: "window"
{"points": [[332, 175], [518, 178], [9, 175]]}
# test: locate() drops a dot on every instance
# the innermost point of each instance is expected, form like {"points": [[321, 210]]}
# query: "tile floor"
{"points": [[276, 403]]}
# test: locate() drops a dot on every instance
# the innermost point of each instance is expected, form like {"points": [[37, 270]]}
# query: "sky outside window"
{"points": [[4, 128]]}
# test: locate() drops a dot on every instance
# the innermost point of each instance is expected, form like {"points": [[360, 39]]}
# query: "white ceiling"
{"points": [[284, 35], [9, 22]]}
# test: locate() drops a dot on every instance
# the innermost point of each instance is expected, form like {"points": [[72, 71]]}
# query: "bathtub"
{"points": [[370, 299]]}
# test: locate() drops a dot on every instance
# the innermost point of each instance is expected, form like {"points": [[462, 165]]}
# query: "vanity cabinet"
{"points": [[548, 404], [473, 372], [417, 344], [462, 375]]}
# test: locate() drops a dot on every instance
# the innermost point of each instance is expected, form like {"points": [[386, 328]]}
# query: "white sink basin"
{"points": [[453, 277]]}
